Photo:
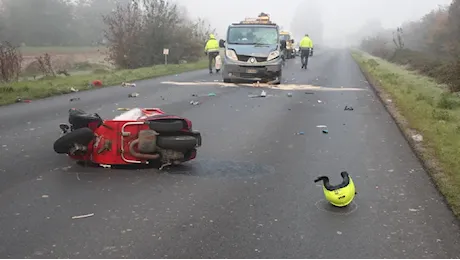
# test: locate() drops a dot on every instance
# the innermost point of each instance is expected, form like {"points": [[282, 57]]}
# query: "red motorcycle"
{"points": [[139, 136]]}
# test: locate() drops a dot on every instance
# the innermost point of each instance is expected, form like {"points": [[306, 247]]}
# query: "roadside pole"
{"points": [[166, 53]]}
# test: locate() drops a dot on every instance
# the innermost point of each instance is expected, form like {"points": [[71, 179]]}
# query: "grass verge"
{"points": [[420, 105], [42, 88]]}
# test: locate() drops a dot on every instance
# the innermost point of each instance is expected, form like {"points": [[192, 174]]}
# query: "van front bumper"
{"points": [[253, 72]]}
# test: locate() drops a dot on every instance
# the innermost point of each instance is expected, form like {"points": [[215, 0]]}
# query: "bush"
{"points": [[430, 46], [138, 32]]}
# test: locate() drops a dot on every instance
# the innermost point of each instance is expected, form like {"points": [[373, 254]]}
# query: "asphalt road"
{"points": [[249, 193]]}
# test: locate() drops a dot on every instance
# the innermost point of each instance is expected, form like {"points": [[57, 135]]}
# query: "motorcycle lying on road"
{"points": [[139, 136]]}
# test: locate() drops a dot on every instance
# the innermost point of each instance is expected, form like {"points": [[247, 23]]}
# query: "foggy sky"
{"points": [[340, 17]]}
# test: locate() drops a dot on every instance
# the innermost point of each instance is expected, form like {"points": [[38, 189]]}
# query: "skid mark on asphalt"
{"points": [[264, 85]]}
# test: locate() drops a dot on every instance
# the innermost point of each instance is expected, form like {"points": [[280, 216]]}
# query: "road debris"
{"points": [[262, 94], [20, 100], [417, 137], [83, 216], [128, 85], [194, 95], [212, 94], [133, 95], [309, 93], [194, 103], [289, 94], [300, 133], [319, 101], [96, 83], [45, 196], [123, 109], [273, 82], [347, 108], [325, 131], [321, 126], [74, 99], [413, 210], [73, 89]]}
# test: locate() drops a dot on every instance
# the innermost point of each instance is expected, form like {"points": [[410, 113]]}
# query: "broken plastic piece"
{"points": [[289, 94], [194, 103], [263, 93], [97, 83], [348, 108], [83, 216], [417, 137], [73, 89], [126, 84], [211, 94], [133, 95], [325, 131]]}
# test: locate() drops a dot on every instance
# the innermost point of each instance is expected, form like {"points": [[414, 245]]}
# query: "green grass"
{"points": [[59, 50], [47, 87], [429, 109]]}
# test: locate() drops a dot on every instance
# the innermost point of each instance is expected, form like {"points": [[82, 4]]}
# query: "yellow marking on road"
{"points": [[263, 85]]}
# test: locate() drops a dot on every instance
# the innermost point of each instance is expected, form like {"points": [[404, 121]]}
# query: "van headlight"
{"points": [[273, 55], [231, 54]]}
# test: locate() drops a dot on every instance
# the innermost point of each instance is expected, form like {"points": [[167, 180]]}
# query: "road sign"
{"points": [[165, 51]]}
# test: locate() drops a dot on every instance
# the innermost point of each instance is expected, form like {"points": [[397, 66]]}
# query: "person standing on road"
{"points": [[212, 50], [305, 46]]}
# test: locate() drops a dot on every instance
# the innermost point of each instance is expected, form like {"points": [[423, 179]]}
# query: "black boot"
{"points": [[210, 72]]}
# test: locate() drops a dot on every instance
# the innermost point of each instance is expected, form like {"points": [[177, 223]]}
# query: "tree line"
{"points": [[135, 31], [430, 45]]}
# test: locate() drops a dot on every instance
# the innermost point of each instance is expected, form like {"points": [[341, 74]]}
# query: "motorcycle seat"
{"points": [[80, 118]]}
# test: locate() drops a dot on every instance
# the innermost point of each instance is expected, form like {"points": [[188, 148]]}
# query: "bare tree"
{"points": [[10, 62]]}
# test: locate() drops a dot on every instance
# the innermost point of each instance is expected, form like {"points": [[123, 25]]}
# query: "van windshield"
{"points": [[252, 35]]}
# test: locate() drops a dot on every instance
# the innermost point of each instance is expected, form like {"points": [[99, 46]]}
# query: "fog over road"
{"points": [[249, 193]]}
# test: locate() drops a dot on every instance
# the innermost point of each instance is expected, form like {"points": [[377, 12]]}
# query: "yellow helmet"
{"points": [[339, 195]]}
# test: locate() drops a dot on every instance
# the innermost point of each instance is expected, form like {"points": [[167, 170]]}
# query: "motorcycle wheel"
{"points": [[82, 136], [181, 143], [166, 126]]}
